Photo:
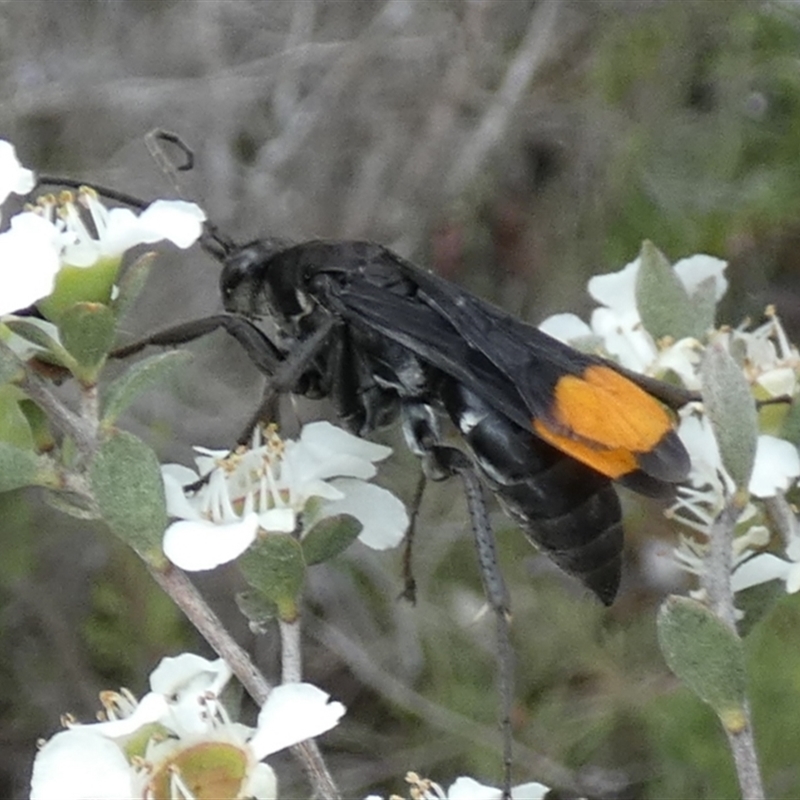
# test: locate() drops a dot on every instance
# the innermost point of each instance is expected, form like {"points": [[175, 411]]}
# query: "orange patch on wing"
{"points": [[603, 420]]}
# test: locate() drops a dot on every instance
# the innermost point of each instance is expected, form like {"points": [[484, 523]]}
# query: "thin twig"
{"points": [[716, 580], [184, 594], [291, 654], [530, 55]]}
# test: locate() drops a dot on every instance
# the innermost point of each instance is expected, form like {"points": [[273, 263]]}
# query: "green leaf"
{"points": [[126, 482], [704, 306], [732, 411], [14, 427], [706, 655], [790, 427], [274, 566], [39, 423], [257, 609], [18, 467], [73, 285], [11, 368], [661, 298], [87, 331], [329, 537], [132, 282], [32, 332], [138, 378]]}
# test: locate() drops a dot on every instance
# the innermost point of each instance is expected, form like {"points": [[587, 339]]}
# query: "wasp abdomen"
{"points": [[567, 509]]}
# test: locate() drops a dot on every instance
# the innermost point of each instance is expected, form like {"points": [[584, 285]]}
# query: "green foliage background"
{"points": [[673, 121]]}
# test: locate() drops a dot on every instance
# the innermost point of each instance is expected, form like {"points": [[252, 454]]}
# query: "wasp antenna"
{"points": [[103, 191], [154, 141], [157, 135], [215, 243]]}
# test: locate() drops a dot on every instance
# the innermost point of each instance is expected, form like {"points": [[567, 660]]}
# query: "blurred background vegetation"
{"points": [[516, 147]]}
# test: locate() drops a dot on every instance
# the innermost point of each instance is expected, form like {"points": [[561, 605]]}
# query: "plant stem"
{"points": [[716, 581], [291, 655]]}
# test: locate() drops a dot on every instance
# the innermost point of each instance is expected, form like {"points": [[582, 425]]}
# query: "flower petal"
{"points": [[777, 464], [175, 220], [383, 516], [29, 261], [151, 708], [616, 290], [80, 765], [198, 544], [293, 713], [175, 477], [177, 672], [262, 783], [695, 269], [760, 569], [13, 176], [565, 327]]}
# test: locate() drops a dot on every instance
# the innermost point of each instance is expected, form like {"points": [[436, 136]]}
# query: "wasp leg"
{"points": [[284, 377], [263, 353], [440, 461]]}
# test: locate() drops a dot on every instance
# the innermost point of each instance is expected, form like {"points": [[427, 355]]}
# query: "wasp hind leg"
{"points": [[421, 430]]}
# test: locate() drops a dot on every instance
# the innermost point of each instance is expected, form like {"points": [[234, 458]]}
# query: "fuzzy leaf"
{"points": [[661, 298], [274, 566], [17, 467], [256, 609], [14, 427], [73, 285], [37, 335], [139, 378], [11, 368], [132, 282], [705, 654], [87, 332], [126, 481], [732, 411], [329, 537]]}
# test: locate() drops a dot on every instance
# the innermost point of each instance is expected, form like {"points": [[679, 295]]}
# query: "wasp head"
{"points": [[252, 279]]}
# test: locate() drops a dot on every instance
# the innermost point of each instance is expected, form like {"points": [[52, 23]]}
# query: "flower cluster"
{"points": [[277, 486], [619, 329], [75, 230], [179, 741]]}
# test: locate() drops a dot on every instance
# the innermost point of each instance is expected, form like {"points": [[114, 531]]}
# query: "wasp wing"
{"points": [[579, 403]]}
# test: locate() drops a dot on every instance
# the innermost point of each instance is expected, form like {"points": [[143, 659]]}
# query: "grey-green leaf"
{"points": [[661, 298], [87, 331], [329, 537], [126, 481], [17, 467], [274, 565], [38, 336], [140, 377], [705, 654], [704, 306], [732, 411], [257, 609], [132, 282]]}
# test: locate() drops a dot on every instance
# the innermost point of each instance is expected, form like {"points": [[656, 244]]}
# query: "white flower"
{"points": [[764, 567], [269, 487], [116, 230], [162, 745], [29, 261], [617, 325], [13, 176], [465, 788], [470, 789]]}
